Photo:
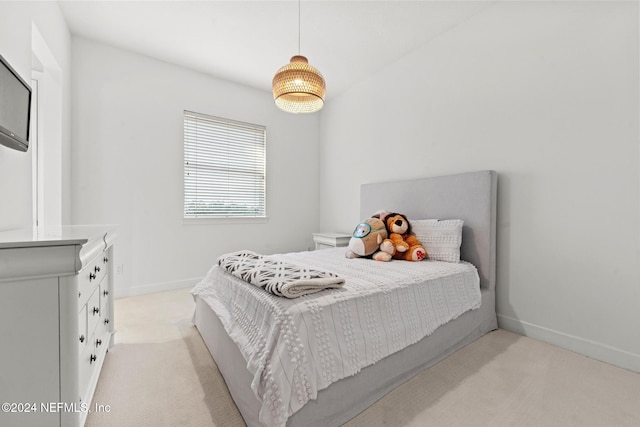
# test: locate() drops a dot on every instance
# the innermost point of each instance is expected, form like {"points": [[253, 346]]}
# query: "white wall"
{"points": [[127, 166], [545, 93], [17, 23]]}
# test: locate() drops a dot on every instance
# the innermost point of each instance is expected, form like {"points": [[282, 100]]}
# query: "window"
{"points": [[224, 168]]}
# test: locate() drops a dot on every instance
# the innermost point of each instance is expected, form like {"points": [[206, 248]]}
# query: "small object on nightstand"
{"points": [[331, 240]]}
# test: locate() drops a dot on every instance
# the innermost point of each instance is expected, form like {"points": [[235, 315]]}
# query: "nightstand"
{"points": [[331, 240]]}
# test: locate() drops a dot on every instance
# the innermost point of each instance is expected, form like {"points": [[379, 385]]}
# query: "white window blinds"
{"points": [[224, 167]]}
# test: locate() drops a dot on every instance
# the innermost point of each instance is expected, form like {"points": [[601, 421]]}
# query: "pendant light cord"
{"points": [[299, 27]]}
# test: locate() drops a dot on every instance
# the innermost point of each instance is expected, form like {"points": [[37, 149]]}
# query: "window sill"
{"points": [[227, 220]]}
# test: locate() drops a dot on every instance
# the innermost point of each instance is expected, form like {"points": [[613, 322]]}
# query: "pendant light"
{"points": [[298, 87]]}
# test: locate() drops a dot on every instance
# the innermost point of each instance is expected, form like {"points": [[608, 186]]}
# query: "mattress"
{"points": [[295, 348]]}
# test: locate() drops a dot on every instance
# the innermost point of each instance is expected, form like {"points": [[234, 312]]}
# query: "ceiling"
{"points": [[247, 41]]}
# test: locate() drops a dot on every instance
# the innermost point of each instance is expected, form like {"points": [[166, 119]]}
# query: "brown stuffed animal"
{"points": [[401, 244]]}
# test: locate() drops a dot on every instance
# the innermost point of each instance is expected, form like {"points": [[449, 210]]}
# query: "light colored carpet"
{"points": [[160, 373]]}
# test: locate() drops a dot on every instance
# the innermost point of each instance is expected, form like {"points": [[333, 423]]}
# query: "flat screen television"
{"points": [[15, 108]]}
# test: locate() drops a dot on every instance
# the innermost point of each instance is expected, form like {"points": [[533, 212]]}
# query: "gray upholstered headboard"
{"points": [[467, 196]]}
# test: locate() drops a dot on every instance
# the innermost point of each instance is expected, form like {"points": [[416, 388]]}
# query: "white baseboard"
{"points": [[156, 287], [592, 349]]}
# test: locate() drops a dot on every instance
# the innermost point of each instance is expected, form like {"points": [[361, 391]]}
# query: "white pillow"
{"points": [[441, 238]]}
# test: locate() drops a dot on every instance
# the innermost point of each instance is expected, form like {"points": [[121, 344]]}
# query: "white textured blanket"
{"points": [[276, 276], [296, 347]]}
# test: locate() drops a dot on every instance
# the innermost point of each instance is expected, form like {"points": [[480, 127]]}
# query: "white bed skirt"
{"points": [[349, 396]]}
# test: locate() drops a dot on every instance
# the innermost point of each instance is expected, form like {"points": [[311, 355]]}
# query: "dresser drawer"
{"points": [[91, 359], [88, 365], [105, 306], [101, 341], [105, 291], [93, 311], [90, 276]]}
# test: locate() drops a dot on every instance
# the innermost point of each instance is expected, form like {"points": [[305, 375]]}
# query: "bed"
{"points": [[470, 197]]}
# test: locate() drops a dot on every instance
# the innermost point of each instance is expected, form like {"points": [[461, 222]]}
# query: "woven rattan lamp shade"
{"points": [[298, 87]]}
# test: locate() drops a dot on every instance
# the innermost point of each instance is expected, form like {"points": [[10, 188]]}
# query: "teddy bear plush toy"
{"points": [[401, 243], [366, 239]]}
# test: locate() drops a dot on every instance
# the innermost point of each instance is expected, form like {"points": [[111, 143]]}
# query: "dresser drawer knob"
{"points": [[81, 338], [97, 269], [91, 276], [105, 293], [96, 310], [92, 358], [98, 343], [105, 259], [106, 321]]}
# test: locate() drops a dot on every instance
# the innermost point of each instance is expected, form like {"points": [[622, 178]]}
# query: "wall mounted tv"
{"points": [[15, 108]]}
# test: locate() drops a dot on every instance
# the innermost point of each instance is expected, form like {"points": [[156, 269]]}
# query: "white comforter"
{"points": [[296, 347]]}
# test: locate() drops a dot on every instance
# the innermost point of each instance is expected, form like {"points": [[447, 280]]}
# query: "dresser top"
{"points": [[53, 236]]}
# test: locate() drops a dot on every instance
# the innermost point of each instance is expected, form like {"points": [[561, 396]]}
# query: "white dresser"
{"points": [[56, 322]]}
